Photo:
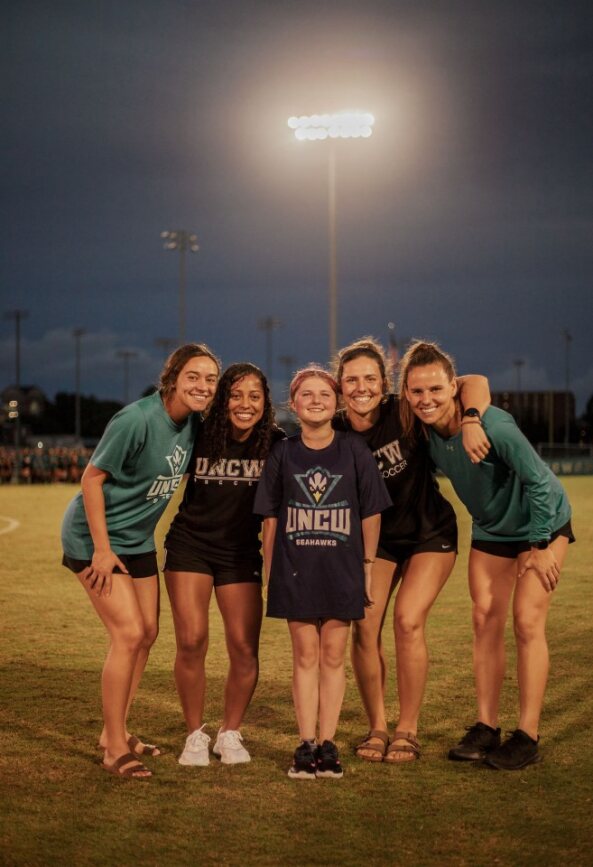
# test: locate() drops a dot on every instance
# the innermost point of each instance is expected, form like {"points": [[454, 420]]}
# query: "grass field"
{"points": [[61, 808]]}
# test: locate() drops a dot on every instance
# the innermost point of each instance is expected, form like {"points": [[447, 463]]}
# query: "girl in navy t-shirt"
{"points": [[321, 496]]}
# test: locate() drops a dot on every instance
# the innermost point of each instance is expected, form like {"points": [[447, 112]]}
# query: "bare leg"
{"points": [[367, 654], [148, 595], [122, 617], [241, 609], [189, 593], [304, 635], [423, 577], [332, 676], [491, 581], [530, 609]]}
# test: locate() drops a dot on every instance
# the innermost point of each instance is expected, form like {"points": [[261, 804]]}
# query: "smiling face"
{"points": [[194, 388], [246, 405], [362, 388], [314, 402], [431, 395]]}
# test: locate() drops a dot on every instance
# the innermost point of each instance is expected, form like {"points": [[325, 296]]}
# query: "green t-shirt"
{"points": [[512, 495], [145, 454]]}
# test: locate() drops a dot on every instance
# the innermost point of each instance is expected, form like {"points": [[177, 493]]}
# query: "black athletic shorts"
{"points": [[444, 543], [511, 550], [138, 565], [247, 571]]}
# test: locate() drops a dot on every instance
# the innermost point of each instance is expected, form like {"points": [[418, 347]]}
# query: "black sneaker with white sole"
{"points": [[303, 763], [328, 761], [478, 741], [518, 751]]}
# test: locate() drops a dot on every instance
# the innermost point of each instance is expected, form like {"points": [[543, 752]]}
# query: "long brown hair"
{"points": [[367, 347], [419, 354], [177, 361]]}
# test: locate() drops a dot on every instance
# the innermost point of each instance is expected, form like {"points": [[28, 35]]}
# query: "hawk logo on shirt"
{"points": [[176, 460], [317, 483], [164, 487], [318, 522]]}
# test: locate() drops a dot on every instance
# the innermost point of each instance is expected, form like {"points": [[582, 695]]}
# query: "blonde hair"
{"points": [[419, 354]]}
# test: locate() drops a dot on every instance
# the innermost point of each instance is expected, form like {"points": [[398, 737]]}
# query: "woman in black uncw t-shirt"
{"points": [[418, 541], [213, 542]]}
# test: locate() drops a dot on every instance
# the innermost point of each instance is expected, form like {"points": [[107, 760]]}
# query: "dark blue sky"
{"points": [[466, 218]]}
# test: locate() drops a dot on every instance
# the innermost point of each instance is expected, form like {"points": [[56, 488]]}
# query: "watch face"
{"points": [[471, 413], [541, 545]]}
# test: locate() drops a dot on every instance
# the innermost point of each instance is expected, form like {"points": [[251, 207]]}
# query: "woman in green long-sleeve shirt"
{"points": [[520, 533]]}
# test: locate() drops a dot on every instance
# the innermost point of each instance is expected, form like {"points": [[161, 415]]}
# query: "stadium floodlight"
{"points": [[344, 124], [330, 128], [185, 242]]}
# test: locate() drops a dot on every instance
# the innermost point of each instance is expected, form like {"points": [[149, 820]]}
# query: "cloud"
{"points": [[49, 363]]}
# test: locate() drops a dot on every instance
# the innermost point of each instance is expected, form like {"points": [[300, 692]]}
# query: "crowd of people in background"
{"points": [[42, 465]]}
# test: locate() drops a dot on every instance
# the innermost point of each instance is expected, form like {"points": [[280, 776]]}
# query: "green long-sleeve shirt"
{"points": [[512, 495]]}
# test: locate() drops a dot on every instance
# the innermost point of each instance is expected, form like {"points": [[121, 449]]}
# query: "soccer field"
{"points": [[61, 808]]}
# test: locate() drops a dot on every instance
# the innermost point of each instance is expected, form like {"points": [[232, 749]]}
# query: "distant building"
{"points": [[541, 415]]}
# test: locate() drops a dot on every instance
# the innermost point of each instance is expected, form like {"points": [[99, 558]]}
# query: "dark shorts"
{"points": [[138, 565], [444, 543], [511, 550], [241, 572]]}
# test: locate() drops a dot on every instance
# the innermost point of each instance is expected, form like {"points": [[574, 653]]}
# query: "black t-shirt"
{"points": [[419, 511], [216, 514], [320, 497]]}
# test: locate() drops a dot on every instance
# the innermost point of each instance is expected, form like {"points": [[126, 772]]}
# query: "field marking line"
{"points": [[12, 524]]}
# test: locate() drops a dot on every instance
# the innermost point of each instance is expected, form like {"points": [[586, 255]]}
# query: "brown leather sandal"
{"points": [[411, 748], [119, 771], [147, 749], [377, 752]]}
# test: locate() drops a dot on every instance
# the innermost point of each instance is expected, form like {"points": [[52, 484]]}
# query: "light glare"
{"points": [[343, 124]]}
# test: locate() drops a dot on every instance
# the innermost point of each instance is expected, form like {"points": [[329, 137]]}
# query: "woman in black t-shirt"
{"points": [[213, 542], [418, 543]]}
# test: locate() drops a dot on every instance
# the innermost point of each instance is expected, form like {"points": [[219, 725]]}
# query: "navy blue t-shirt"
{"points": [[320, 497]]}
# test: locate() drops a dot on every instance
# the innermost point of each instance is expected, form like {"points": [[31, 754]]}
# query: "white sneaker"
{"points": [[195, 751], [229, 747]]}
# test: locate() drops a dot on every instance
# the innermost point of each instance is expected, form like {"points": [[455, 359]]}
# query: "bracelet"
{"points": [[368, 560], [471, 421]]}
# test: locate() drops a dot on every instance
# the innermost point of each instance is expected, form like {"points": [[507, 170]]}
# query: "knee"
{"points": [[243, 654], [192, 644], [407, 627], [130, 638], [486, 620], [528, 628], [306, 659], [366, 636], [151, 631], [332, 658]]}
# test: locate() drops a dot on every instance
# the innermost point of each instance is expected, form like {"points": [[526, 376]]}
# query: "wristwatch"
{"points": [[471, 412], [540, 544]]}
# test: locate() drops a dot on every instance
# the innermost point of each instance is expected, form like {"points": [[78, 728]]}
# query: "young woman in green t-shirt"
{"points": [[520, 533], [107, 532]]}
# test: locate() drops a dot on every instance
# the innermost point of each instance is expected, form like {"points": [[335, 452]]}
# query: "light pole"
{"points": [[126, 354], [567, 341], [166, 343], [330, 127], [268, 324], [77, 334], [185, 242], [17, 315], [519, 362]]}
